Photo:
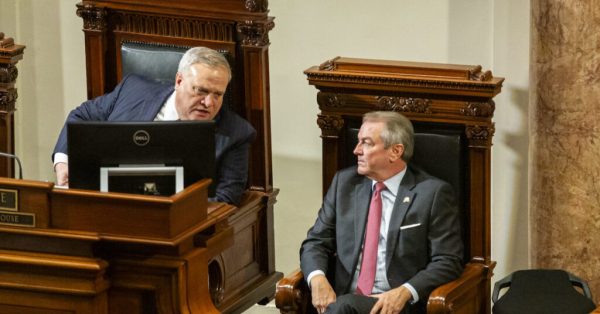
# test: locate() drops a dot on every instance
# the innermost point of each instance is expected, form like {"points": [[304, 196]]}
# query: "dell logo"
{"points": [[141, 138]]}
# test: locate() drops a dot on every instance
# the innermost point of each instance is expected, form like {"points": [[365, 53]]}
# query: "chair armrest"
{"points": [[464, 294], [292, 294]]}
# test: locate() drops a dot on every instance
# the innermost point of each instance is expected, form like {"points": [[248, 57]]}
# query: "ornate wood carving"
{"points": [[8, 73], [7, 100], [330, 100], [405, 76], [397, 82], [478, 75], [480, 135], [330, 125], [255, 33], [173, 26], [479, 109], [328, 65], [10, 54], [94, 18], [257, 5], [404, 104]]}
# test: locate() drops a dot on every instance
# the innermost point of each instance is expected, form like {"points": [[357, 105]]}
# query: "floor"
{"points": [[298, 202]]}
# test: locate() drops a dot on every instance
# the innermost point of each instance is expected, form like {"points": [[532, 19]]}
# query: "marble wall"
{"points": [[565, 138]]}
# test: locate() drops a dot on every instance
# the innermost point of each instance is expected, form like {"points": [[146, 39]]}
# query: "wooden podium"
{"points": [[76, 251]]}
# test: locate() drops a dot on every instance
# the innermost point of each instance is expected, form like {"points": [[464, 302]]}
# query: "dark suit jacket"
{"points": [[425, 256], [137, 99]]}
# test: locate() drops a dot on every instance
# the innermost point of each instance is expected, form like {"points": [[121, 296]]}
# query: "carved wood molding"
{"points": [[8, 73], [330, 125], [478, 75], [94, 18], [396, 82], [404, 104], [330, 100], [6, 42], [329, 65], [255, 33], [257, 5], [480, 135], [479, 109], [7, 100], [173, 26], [9, 51]]}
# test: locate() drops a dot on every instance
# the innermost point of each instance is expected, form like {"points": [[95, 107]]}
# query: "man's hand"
{"points": [[62, 173], [322, 293], [392, 301]]}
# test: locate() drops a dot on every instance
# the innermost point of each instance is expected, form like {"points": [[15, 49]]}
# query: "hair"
{"points": [[203, 55], [398, 130]]}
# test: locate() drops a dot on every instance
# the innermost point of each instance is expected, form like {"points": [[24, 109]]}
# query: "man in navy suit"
{"points": [[200, 84], [417, 244]]}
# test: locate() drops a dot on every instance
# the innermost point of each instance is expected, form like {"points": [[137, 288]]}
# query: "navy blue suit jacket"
{"points": [[137, 99], [424, 245]]}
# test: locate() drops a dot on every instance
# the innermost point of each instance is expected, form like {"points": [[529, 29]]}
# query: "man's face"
{"points": [[375, 161], [200, 92]]}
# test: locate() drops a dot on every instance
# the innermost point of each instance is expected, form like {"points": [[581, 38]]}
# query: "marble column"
{"points": [[565, 138]]}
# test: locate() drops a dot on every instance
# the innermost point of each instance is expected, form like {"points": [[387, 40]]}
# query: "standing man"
{"points": [[200, 84], [387, 233]]}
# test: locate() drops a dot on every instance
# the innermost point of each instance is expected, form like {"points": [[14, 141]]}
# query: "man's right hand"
{"points": [[62, 173], [322, 293]]}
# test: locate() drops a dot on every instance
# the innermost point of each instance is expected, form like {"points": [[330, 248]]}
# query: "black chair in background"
{"points": [[544, 291]]}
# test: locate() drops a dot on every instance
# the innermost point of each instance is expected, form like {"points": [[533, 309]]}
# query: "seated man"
{"points": [[387, 256], [200, 83]]}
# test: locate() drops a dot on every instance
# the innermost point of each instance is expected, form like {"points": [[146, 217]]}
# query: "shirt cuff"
{"points": [[61, 157], [312, 274], [415, 295]]}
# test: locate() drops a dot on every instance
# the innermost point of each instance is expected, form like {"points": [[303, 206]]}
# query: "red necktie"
{"points": [[366, 278]]}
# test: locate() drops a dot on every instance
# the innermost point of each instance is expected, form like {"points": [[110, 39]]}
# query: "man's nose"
{"points": [[357, 150], [209, 101]]}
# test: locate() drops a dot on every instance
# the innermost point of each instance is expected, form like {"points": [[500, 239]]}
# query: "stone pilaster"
{"points": [[565, 138]]}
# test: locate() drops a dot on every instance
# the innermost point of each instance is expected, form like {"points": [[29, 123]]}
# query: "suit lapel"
{"points": [[404, 199], [362, 197]]}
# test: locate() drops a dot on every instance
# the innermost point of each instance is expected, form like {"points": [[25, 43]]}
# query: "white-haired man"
{"points": [[200, 83]]}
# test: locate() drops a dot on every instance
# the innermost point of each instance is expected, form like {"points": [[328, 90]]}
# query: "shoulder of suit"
{"points": [[229, 120]]}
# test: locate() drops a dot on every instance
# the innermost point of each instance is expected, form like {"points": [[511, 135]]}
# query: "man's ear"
{"points": [[178, 79], [397, 150]]}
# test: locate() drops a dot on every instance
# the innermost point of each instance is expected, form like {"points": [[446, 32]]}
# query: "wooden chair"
{"points": [[451, 108], [119, 33]]}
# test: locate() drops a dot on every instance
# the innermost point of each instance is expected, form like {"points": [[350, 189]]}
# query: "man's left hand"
{"points": [[392, 301]]}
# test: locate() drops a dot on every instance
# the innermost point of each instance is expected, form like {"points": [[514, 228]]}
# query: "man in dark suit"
{"points": [[200, 84], [417, 244]]}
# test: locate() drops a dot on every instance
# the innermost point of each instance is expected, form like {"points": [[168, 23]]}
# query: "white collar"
{"points": [[168, 112], [392, 184]]}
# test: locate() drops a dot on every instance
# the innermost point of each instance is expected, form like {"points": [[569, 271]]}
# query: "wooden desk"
{"points": [[93, 252]]}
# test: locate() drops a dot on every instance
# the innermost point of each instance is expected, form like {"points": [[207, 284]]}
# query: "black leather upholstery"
{"points": [[153, 61], [544, 291]]}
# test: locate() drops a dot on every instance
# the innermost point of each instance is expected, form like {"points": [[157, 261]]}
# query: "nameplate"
{"points": [[9, 200], [17, 219]]}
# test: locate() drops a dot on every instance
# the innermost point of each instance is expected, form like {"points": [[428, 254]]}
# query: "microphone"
{"points": [[7, 155]]}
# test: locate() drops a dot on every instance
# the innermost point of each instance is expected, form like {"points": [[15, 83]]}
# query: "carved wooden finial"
{"points": [[6, 42]]}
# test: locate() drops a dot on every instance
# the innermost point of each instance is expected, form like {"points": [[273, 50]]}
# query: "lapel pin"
{"points": [[406, 200]]}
